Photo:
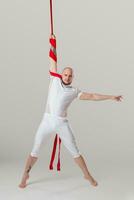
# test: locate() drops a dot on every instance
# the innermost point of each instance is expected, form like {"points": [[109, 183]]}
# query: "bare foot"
{"points": [[91, 180], [23, 183]]}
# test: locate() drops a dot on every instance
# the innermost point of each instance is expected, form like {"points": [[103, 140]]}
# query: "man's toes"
{"points": [[22, 185], [94, 183]]}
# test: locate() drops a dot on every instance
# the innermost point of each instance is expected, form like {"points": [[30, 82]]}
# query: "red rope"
{"points": [[58, 164], [53, 152], [54, 57], [56, 140], [51, 16]]}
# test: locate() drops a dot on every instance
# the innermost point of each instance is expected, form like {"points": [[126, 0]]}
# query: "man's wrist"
{"points": [[112, 97]]}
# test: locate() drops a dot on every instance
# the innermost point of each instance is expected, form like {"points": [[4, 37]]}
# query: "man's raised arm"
{"points": [[53, 54]]}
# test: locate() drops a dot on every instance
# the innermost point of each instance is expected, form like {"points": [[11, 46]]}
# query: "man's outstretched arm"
{"points": [[97, 97], [53, 54]]}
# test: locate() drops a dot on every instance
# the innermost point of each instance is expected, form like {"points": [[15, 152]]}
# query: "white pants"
{"points": [[55, 125]]}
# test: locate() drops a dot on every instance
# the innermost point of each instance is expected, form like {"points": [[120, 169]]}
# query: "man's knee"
{"points": [[77, 155], [34, 155]]}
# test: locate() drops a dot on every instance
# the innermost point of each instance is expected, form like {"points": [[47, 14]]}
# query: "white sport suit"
{"points": [[55, 119]]}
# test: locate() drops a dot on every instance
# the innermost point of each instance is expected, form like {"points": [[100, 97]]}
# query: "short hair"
{"points": [[67, 68]]}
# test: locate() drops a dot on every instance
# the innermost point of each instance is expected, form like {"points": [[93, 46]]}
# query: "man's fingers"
{"points": [[53, 36], [119, 98]]}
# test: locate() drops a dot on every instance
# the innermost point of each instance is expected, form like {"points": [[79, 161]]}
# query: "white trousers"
{"points": [[55, 125]]}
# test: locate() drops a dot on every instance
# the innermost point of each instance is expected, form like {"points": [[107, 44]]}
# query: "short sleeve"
{"points": [[55, 80], [79, 92]]}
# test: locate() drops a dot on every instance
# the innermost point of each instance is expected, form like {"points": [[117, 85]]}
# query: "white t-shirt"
{"points": [[60, 96]]}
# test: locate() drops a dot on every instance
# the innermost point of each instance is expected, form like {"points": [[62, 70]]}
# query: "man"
{"points": [[61, 94]]}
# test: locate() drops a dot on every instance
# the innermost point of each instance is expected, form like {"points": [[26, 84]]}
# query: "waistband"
{"points": [[56, 116]]}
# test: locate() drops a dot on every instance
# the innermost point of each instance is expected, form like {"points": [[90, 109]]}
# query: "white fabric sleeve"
{"points": [[79, 92]]}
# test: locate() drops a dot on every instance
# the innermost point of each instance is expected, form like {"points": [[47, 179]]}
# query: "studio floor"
{"points": [[114, 183]]}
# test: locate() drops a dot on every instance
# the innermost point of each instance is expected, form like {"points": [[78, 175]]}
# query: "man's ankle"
{"points": [[26, 173]]}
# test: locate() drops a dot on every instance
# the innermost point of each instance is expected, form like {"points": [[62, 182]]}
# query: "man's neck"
{"points": [[66, 84]]}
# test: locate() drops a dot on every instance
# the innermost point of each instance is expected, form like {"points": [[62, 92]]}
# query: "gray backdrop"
{"points": [[96, 39]]}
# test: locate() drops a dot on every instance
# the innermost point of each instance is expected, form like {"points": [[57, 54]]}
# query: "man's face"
{"points": [[67, 76]]}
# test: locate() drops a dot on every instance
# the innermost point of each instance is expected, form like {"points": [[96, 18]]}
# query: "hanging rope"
{"points": [[53, 56], [51, 16]]}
